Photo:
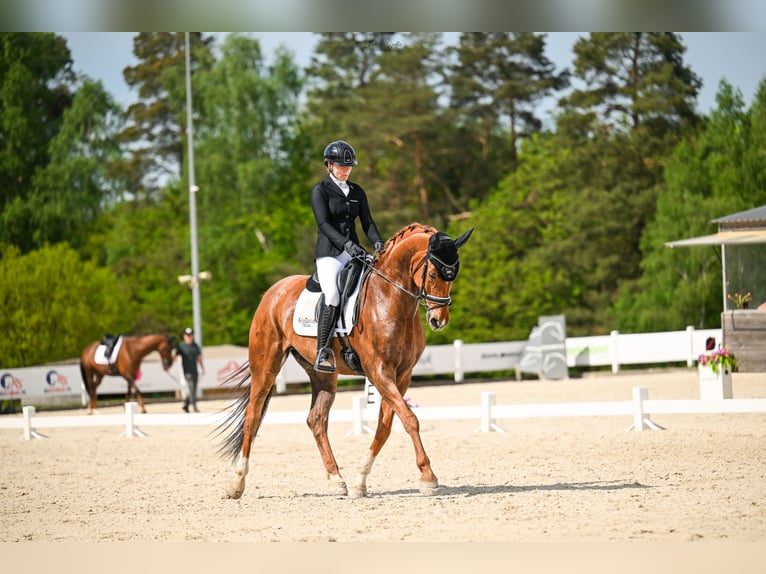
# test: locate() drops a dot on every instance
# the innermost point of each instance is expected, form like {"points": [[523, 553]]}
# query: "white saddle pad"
{"points": [[100, 356], [305, 316]]}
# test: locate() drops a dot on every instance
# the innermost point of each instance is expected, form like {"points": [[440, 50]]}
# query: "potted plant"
{"points": [[715, 369], [741, 301]]}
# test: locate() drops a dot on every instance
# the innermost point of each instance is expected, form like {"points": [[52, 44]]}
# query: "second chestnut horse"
{"points": [[132, 351]]}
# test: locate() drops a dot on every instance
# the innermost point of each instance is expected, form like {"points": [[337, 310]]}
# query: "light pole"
{"points": [[193, 189]]}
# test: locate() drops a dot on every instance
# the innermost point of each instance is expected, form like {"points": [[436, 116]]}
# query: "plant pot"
{"points": [[714, 386]]}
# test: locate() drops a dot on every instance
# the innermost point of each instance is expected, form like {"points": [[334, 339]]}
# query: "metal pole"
{"points": [[196, 304]]}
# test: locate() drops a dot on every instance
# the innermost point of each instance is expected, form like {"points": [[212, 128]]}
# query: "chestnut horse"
{"points": [[132, 351], [417, 266]]}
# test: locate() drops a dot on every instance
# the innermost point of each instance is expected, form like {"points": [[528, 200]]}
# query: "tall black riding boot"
{"points": [[325, 360]]}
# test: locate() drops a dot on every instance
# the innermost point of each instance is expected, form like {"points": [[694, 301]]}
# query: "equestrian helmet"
{"points": [[340, 153]]}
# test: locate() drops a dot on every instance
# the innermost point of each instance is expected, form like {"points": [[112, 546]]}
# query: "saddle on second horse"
{"points": [[109, 341]]}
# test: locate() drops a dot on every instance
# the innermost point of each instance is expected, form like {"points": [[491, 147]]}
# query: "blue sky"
{"points": [[735, 56]]}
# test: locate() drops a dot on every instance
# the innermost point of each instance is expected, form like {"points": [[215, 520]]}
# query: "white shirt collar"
{"points": [[343, 185]]}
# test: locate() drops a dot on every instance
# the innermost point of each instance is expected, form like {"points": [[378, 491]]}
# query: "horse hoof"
{"points": [[339, 488], [357, 492], [235, 489], [429, 488]]}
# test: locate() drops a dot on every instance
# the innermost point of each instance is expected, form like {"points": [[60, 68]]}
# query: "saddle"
{"points": [[350, 280], [109, 345]]}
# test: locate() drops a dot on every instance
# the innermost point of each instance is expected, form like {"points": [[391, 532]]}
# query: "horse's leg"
{"points": [[133, 387], [358, 488], [139, 398], [93, 381], [393, 400], [323, 388], [261, 382]]}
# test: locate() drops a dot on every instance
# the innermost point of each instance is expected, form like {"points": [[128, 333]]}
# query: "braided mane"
{"points": [[408, 230]]}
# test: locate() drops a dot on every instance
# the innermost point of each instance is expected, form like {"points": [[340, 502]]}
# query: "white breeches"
{"points": [[327, 273]]}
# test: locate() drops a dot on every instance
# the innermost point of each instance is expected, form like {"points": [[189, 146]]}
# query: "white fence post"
{"points": [[281, 381], [615, 351], [691, 358], [359, 405], [29, 432], [488, 424], [131, 430], [357, 409], [640, 420], [458, 344]]}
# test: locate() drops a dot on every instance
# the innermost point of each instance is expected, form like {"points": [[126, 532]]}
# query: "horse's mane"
{"points": [[408, 230]]}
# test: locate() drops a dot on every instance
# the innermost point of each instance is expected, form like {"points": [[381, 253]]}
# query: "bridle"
{"points": [[446, 271]]}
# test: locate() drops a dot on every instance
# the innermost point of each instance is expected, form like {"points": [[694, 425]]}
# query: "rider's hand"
{"points": [[353, 249]]}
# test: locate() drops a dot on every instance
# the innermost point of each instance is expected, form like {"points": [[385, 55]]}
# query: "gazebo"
{"points": [[742, 238]]}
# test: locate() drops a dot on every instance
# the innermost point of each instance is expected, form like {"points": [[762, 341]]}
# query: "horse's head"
{"points": [[166, 351], [440, 269]]}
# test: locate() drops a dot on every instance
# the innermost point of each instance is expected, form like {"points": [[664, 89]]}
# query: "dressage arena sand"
{"points": [[550, 480]]}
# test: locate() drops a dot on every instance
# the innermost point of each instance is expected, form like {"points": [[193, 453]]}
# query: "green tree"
{"points": [[635, 78], [56, 144], [718, 172], [254, 178], [36, 80], [53, 304], [620, 128], [501, 77], [154, 129], [402, 113], [504, 282]]}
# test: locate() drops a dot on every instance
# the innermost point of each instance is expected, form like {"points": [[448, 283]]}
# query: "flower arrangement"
{"points": [[719, 359], [741, 301]]}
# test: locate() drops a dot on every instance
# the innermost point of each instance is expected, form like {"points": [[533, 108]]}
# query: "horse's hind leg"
{"points": [[261, 384], [93, 380]]}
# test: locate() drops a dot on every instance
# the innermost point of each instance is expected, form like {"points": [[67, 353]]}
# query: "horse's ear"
{"points": [[460, 241]]}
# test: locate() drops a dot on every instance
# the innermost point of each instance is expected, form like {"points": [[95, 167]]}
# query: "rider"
{"points": [[108, 341], [337, 203]]}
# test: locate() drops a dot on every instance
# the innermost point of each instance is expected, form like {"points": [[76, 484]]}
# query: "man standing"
{"points": [[191, 355]]}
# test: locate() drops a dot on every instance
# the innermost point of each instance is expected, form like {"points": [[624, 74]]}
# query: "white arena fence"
{"points": [[63, 382], [486, 414]]}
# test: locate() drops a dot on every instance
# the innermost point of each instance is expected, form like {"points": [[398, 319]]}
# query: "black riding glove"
{"points": [[353, 249], [379, 246]]}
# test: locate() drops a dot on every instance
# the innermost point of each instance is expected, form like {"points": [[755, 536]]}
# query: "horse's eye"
{"points": [[432, 275]]}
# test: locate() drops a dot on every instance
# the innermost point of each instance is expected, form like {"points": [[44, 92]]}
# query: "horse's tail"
{"points": [[84, 376], [232, 442]]}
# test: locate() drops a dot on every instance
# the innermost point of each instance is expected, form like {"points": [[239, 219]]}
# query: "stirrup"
{"points": [[324, 362]]}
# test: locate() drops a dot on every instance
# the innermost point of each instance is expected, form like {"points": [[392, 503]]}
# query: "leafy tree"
{"points": [[154, 130], [635, 78], [53, 304], [620, 130], [254, 182], [403, 121], [147, 252], [502, 76], [36, 80], [56, 144], [504, 284], [716, 173], [336, 104]]}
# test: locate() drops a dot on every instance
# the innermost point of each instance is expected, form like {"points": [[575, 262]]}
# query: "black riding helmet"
{"points": [[340, 153]]}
